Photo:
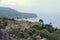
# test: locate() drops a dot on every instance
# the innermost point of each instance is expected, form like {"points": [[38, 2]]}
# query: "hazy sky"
{"points": [[48, 10]]}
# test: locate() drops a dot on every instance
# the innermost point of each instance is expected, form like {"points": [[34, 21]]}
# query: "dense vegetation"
{"points": [[35, 32]]}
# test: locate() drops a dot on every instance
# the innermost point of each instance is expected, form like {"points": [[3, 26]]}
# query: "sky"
{"points": [[48, 10]]}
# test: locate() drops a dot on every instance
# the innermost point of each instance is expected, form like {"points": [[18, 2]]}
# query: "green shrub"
{"points": [[45, 31], [36, 27], [54, 36]]}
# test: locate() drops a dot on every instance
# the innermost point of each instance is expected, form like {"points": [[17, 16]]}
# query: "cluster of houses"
{"points": [[22, 24]]}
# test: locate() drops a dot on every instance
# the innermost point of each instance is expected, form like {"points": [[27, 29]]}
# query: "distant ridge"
{"points": [[9, 12]]}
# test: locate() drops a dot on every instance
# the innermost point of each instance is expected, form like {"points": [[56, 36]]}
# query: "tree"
{"points": [[2, 27], [40, 20], [42, 24], [49, 28], [56, 29]]}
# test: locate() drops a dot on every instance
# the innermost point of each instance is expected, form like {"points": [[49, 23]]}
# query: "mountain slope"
{"points": [[8, 12]]}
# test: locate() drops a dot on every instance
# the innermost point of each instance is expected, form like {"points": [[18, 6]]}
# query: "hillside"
{"points": [[9, 12], [27, 30]]}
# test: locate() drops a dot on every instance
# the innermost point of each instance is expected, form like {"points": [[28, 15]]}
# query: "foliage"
{"points": [[14, 31], [40, 20], [1, 26], [34, 31], [46, 32], [54, 36], [49, 28], [36, 27]]}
